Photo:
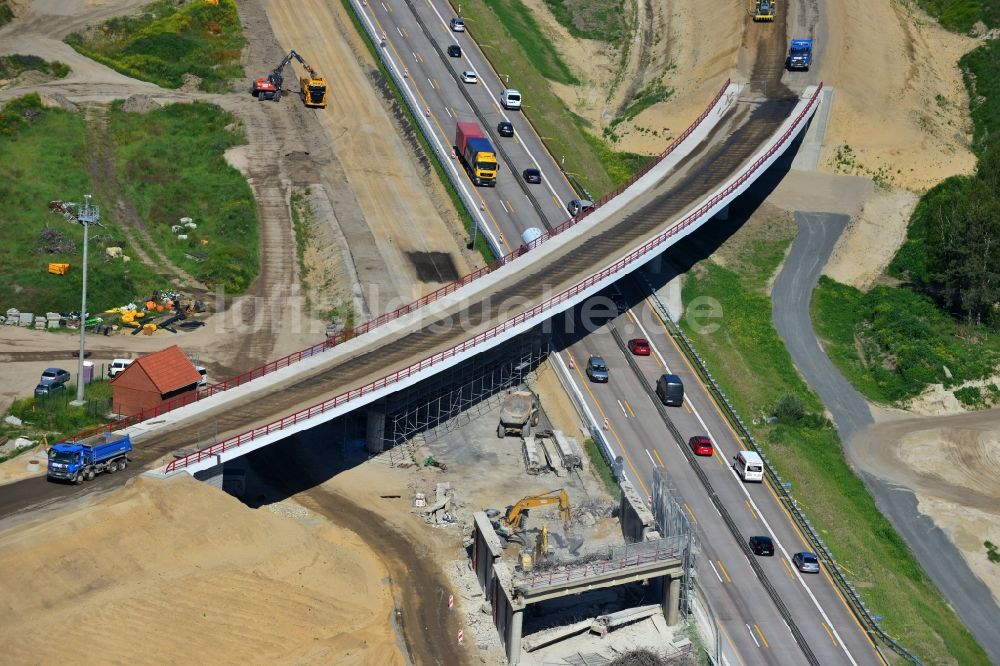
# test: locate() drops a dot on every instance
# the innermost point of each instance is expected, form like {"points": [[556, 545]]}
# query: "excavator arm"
{"points": [[312, 87], [512, 520]]}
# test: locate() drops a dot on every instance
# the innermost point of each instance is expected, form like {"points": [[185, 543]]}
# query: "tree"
{"points": [[963, 243]]}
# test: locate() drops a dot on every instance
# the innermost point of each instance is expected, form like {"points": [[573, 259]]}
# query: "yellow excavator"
{"points": [[312, 88], [510, 522]]}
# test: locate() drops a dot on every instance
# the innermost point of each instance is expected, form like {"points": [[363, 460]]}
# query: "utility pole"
{"points": [[88, 215]]}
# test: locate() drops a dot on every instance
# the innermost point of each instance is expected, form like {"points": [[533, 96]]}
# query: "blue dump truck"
{"points": [[83, 460], [800, 55]]}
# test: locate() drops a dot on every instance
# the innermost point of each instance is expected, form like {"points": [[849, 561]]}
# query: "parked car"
{"points": [[533, 176], [701, 445], [468, 76], [577, 206], [45, 390], [458, 24], [454, 50], [597, 370], [806, 562], [762, 545], [53, 376], [639, 346], [117, 366], [504, 128]]}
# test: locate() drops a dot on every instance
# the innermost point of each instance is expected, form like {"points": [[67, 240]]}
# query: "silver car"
{"points": [[806, 562], [597, 370]]}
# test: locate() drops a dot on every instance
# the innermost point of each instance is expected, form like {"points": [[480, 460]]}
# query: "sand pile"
{"points": [[186, 574]]}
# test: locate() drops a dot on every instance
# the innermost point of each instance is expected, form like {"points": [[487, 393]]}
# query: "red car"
{"points": [[639, 346], [701, 445]]}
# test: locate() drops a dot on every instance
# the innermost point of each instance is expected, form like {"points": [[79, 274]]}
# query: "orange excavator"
{"points": [[312, 88]]}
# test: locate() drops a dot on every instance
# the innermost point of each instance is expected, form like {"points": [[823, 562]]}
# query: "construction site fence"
{"points": [[371, 324], [659, 551], [781, 487], [631, 260]]}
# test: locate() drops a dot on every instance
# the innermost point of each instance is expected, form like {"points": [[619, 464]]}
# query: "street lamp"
{"points": [[88, 215]]}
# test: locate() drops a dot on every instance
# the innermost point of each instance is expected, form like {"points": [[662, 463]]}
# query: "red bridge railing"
{"points": [[331, 342], [631, 258]]}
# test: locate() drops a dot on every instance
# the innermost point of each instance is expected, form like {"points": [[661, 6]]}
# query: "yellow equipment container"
{"points": [[58, 269]]}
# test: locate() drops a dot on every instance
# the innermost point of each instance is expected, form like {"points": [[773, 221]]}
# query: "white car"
{"points": [[469, 76], [117, 365]]}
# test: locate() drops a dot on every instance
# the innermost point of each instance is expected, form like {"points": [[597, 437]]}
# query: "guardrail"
{"points": [[371, 324], [563, 576], [850, 593], [549, 304]]}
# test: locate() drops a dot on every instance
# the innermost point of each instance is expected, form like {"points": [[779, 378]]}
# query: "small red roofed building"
{"points": [[149, 381]]}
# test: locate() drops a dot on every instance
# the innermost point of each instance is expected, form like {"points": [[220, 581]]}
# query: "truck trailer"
{"points": [[83, 460], [477, 154]]}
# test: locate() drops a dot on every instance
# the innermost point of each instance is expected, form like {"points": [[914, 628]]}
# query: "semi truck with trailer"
{"points": [[477, 154], [82, 461]]}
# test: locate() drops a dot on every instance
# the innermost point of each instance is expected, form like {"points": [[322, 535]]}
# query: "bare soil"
{"points": [[950, 463]]}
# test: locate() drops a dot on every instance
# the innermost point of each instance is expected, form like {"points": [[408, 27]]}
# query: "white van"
{"points": [[510, 98], [749, 466], [117, 365]]}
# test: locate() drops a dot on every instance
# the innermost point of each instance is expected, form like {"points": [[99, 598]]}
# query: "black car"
{"points": [[505, 129], [455, 51], [533, 176], [761, 545]]}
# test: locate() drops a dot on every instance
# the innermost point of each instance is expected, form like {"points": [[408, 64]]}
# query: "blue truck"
{"points": [[83, 460], [800, 55]]}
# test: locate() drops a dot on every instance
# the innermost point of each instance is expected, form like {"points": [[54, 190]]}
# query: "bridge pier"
{"points": [[672, 598], [375, 430]]}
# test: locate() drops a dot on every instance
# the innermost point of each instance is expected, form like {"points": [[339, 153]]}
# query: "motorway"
{"points": [[752, 628], [417, 34]]}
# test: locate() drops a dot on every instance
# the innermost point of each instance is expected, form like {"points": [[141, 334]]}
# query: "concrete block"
{"points": [[53, 323], [25, 319], [53, 315], [13, 313]]}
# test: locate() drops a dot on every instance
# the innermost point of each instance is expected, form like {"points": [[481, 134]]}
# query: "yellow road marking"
{"points": [[614, 434], [788, 569], [658, 458], [724, 572], [750, 509], [629, 408], [761, 634], [829, 633], [694, 518]]}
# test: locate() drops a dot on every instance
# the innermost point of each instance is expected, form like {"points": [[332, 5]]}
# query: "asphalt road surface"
{"points": [[792, 292]]}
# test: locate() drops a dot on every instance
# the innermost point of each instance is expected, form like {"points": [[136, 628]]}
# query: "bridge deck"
{"points": [[749, 127]]}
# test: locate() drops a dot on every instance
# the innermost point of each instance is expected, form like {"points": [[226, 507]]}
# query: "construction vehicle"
{"points": [[312, 88], [800, 55], [510, 522], [762, 11], [477, 154], [518, 415], [80, 461]]}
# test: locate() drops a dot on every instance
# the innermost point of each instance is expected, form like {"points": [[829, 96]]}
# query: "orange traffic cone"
{"points": [[572, 363], [606, 424]]}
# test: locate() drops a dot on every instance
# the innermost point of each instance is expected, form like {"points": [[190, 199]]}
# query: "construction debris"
{"points": [[53, 241]]}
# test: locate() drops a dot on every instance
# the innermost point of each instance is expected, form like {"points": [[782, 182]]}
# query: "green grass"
{"points": [[591, 19], [521, 26], [42, 158], [981, 70], [54, 418], [170, 163], [749, 361], [13, 65], [961, 15], [168, 39], [601, 468], [891, 343], [6, 13], [563, 132]]}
